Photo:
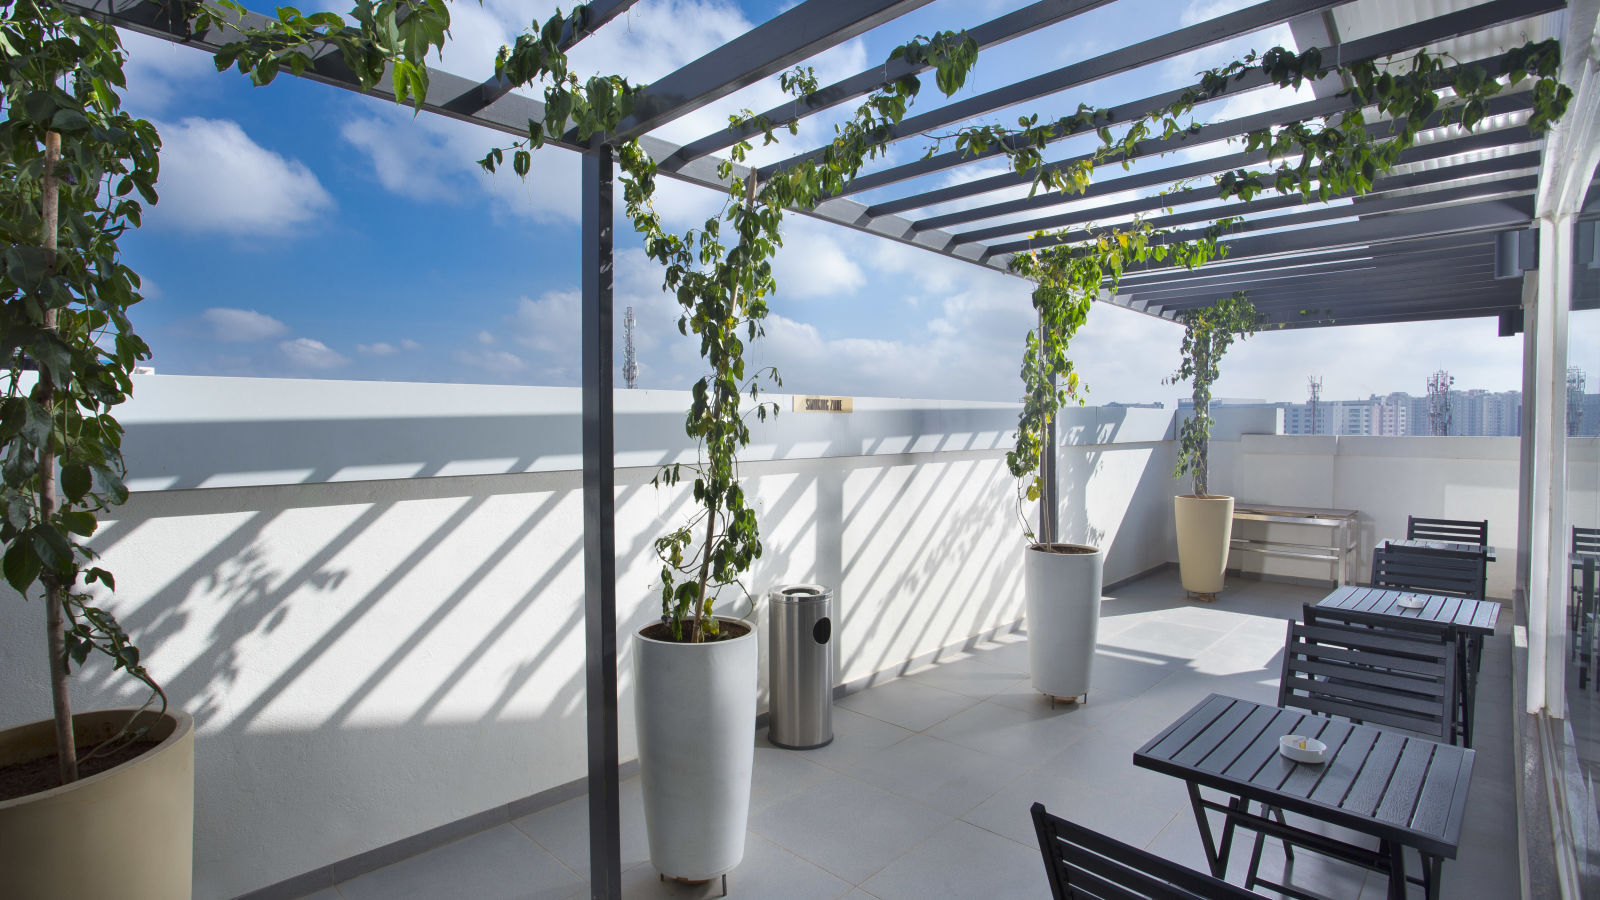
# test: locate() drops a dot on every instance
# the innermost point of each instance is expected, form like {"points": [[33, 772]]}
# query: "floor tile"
{"points": [[907, 703], [499, 863], [960, 862], [1008, 813], [563, 829], [937, 774], [767, 872], [971, 677], [779, 773], [1022, 737], [853, 735], [847, 826]]}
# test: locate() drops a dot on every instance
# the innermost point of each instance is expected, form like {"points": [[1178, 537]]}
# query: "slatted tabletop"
{"points": [[1467, 616], [1405, 789], [1449, 546]]}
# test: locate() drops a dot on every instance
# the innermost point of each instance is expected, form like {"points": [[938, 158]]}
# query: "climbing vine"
{"points": [[66, 293], [1208, 332]]}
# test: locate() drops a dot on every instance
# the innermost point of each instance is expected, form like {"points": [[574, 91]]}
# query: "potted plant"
{"points": [[98, 804], [1205, 520]]}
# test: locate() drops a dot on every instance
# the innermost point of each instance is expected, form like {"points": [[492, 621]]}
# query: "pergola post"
{"points": [[599, 529], [1547, 608]]}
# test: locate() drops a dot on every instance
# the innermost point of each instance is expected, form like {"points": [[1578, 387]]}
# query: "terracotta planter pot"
{"points": [[1205, 527], [127, 832], [1063, 616], [695, 706]]}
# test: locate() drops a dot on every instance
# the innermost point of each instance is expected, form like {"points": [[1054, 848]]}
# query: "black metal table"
{"points": [[1467, 620], [1485, 550], [1405, 791]]}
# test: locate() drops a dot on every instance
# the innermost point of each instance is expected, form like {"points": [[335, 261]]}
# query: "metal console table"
{"points": [[1341, 553]]}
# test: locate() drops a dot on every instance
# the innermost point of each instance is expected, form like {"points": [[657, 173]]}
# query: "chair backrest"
{"points": [[1462, 531], [1585, 540], [1375, 624], [1428, 571], [1384, 679], [1084, 864]]}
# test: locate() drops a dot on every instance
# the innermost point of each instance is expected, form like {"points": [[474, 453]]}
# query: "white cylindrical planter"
{"points": [[1063, 585], [695, 706], [1205, 528], [125, 832]]}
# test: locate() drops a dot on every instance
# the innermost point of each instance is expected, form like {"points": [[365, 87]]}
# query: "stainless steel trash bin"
{"points": [[800, 666]]}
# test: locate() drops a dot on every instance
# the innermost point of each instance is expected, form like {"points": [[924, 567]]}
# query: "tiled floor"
{"points": [[924, 792]]}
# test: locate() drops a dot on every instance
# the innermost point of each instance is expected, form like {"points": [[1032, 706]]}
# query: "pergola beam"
{"points": [[787, 38], [1499, 166], [1267, 277], [1231, 25], [1429, 31], [996, 31], [1345, 284], [1477, 141], [1513, 186]]}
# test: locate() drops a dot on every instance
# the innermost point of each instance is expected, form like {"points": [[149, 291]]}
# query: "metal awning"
{"points": [[1453, 185]]}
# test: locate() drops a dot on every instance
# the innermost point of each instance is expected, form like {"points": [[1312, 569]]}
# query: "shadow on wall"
{"points": [[370, 659]]}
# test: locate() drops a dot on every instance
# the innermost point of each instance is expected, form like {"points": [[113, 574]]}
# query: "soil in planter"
{"points": [[1064, 548], [661, 631], [42, 774]]}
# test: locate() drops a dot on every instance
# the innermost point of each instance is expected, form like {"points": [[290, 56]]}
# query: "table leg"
{"points": [[1397, 870], [1432, 873], [1466, 687], [1218, 864]]}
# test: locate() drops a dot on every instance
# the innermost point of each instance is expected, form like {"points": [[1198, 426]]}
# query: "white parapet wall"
{"points": [[370, 595], [1386, 479]]}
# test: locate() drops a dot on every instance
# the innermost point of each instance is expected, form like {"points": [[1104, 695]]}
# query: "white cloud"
{"points": [[214, 178], [159, 71], [486, 337], [812, 263], [495, 362], [237, 325], [434, 159], [311, 354], [383, 348]]}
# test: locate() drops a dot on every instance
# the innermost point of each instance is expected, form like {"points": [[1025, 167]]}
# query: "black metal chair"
{"points": [[1375, 677], [1429, 571], [1459, 531], [1584, 632], [1365, 676], [1431, 634], [1085, 865], [1585, 542]]}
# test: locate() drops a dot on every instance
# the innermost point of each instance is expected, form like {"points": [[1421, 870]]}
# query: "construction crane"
{"points": [[630, 360]]}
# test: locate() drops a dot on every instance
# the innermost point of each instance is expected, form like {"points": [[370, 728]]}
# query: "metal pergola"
{"points": [[1422, 245]]}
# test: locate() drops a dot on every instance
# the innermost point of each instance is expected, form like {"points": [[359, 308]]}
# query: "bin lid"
{"points": [[800, 593]]}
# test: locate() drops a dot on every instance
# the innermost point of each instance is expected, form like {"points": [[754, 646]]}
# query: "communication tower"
{"points": [[1314, 388], [630, 361], [1439, 402], [1575, 385]]}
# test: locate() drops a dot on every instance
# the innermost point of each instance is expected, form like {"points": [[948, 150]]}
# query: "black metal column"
{"points": [[599, 530], [1050, 501]]}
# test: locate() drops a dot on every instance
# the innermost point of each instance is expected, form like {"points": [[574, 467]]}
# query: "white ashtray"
{"points": [[1411, 601], [1302, 749]]}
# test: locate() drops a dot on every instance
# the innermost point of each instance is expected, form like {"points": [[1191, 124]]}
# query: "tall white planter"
{"points": [[695, 706], [1205, 530], [1063, 584]]}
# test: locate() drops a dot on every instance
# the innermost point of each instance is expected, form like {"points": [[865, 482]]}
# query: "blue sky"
{"points": [[311, 232]]}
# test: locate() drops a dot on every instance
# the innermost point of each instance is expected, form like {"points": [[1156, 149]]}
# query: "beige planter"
{"points": [[1205, 527], [126, 833]]}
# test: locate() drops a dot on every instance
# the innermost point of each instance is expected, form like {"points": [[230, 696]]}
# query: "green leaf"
{"points": [[76, 481], [80, 522], [21, 566]]}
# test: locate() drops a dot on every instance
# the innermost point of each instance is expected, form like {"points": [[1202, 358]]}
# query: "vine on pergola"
{"points": [[66, 293], [1208, 332]]}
